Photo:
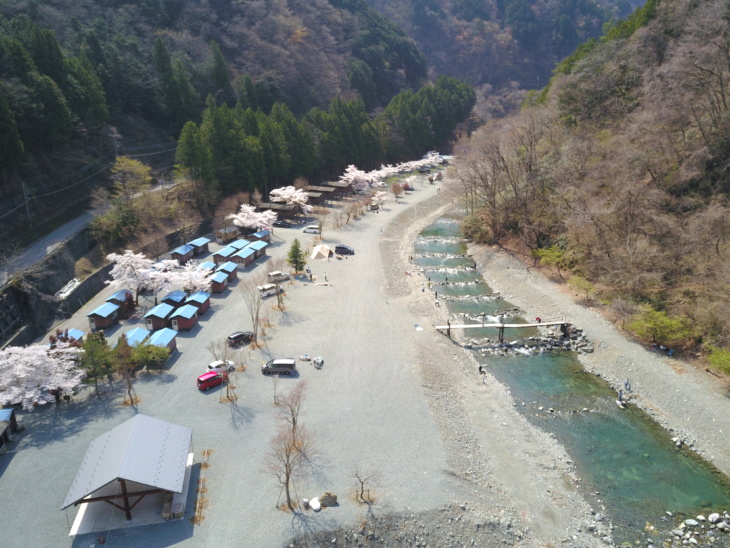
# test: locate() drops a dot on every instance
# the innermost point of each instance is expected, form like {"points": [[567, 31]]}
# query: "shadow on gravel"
{"points": [[305, 525], [156, 376], [240, 415], [290, 319]]}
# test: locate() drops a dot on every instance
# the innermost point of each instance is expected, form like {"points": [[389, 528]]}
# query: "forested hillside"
{"points": [[497, 42], [83, 80], [616, 177]]}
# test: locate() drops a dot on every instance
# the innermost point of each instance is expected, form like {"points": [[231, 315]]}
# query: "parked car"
{"points": [[282, 366], [342, 249], [239, 338], [221, 365], [312, 229], [278, 276], [407, 186], [210, 379], [267, 290], [374, 207], [283, 224]]}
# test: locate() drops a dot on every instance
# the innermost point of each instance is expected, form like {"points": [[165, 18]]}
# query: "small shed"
{"points": [[142, 457], [259, 248], [240, 243], [201, 300], [164, 338], [184, 318], [183, 253], [159, 316], [137, 336], [200, 246], [207, 266], [225, 235], [218, 282], [175, 298], [104, 316], [263, 235], [342, 188], [120, 297], [224, 255], [283, 210], [315, 198], [8, 428], [229, 268], [244, 257]]}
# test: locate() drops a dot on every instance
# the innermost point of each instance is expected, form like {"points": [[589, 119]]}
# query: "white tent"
{"points": [[322, 251]]}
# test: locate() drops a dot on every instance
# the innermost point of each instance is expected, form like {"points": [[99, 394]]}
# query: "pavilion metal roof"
{"points": [[219, 277], [136, 336], [163, 337], [258, 245], [188, 311], [162, 310], [198, 297], [229, 267], [142, 449], [199, 242], [105, 310]]}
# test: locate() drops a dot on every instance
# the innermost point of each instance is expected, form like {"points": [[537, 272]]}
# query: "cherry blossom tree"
{"points": [[248, 217], [36, 374], [379, 197], [292, 196], [359, 179], [192, 278], [162, 276], [130, 270]]}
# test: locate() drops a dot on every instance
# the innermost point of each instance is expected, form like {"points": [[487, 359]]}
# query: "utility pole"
{"points": [[26, 197]]}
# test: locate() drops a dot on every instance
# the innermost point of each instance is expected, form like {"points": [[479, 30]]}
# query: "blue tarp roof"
{"points": [[239, 244], [188, 311], [199, 242], [229, 267], [199, 297], [245, 252], [227, 251], [183, 249], [76, 334], [5, 414], [105, 310], [163, 337], [136, 336], [219, 277], [120, 295], [262, 233], [162, 310], [207, 265], [258, 245], [177, 296]]}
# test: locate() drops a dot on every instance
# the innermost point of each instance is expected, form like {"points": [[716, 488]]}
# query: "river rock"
{"points": [[677, 533], [693, 540], [691, 522], [315, 505], [701, 518], [714, 517]]}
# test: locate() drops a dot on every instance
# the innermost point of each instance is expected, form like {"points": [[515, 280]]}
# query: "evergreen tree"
{"points": [[97, 358], [85, 93], [220, 79], [11, 147], [296, 257]]}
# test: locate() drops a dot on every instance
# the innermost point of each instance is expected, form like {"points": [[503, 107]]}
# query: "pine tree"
{"points": [[11, 147], [296, 258], [220, 79]]}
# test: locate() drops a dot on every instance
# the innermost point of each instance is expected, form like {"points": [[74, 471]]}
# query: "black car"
{"points": [[239, 338], [342, 249], [283, 224]]}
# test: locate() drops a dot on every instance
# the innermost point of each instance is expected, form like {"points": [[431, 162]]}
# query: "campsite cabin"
{"points": [[137, 336], [225, 235], [208, 267], [282, 210], [164, 338], [231, 269], [259, 248], [158, 317], [342, 188], [120, 297], [245, 257], [8, 428], [218, 282], [184, 318], [183, 253], [261, 235], [240, 243], [224, 255], [200, 246], [104, 316], [201, 300], [175, 298]]}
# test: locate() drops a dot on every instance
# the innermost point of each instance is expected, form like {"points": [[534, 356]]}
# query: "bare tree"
{"points": [[321, 213], [253, 300], [362, 489], [397, 190], [219, 349]]}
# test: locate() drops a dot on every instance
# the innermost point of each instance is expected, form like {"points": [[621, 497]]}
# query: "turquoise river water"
{"points": [[622, 456]]}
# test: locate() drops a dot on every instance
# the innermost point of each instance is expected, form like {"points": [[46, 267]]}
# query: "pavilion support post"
{"points": [[501, 333], [448, 328], [125, 498]]}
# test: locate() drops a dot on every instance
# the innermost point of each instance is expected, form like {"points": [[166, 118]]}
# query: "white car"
{"points": [[312, 229], [221, 366]]}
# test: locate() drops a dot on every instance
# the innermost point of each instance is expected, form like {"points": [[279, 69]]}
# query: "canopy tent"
{"points": [[322, 251]]}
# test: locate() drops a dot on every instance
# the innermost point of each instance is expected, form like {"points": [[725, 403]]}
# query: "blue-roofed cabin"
{"points": [[175, 298], [218, 282], [183, 253], [261, 235], [120, 297], [259, 248], [184, 318], [136, 336], [164, 338], [224, 255], [244, 257], [200, 246], [239, 244], [8, 427], [201, 300], [229, 268], [104, 316], [208, 266], [159, 316]]}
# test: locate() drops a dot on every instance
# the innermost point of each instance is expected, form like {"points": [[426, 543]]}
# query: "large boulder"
{"points": [[328, 499]]}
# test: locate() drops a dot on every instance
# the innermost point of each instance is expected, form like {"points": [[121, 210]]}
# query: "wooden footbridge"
{"points": [[500, 326]]}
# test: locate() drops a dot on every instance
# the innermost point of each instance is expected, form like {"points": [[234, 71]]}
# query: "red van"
{"points": [[209, 379]]}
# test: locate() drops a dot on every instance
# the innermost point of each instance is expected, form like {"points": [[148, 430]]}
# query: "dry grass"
{"points": [[89, 263]]}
